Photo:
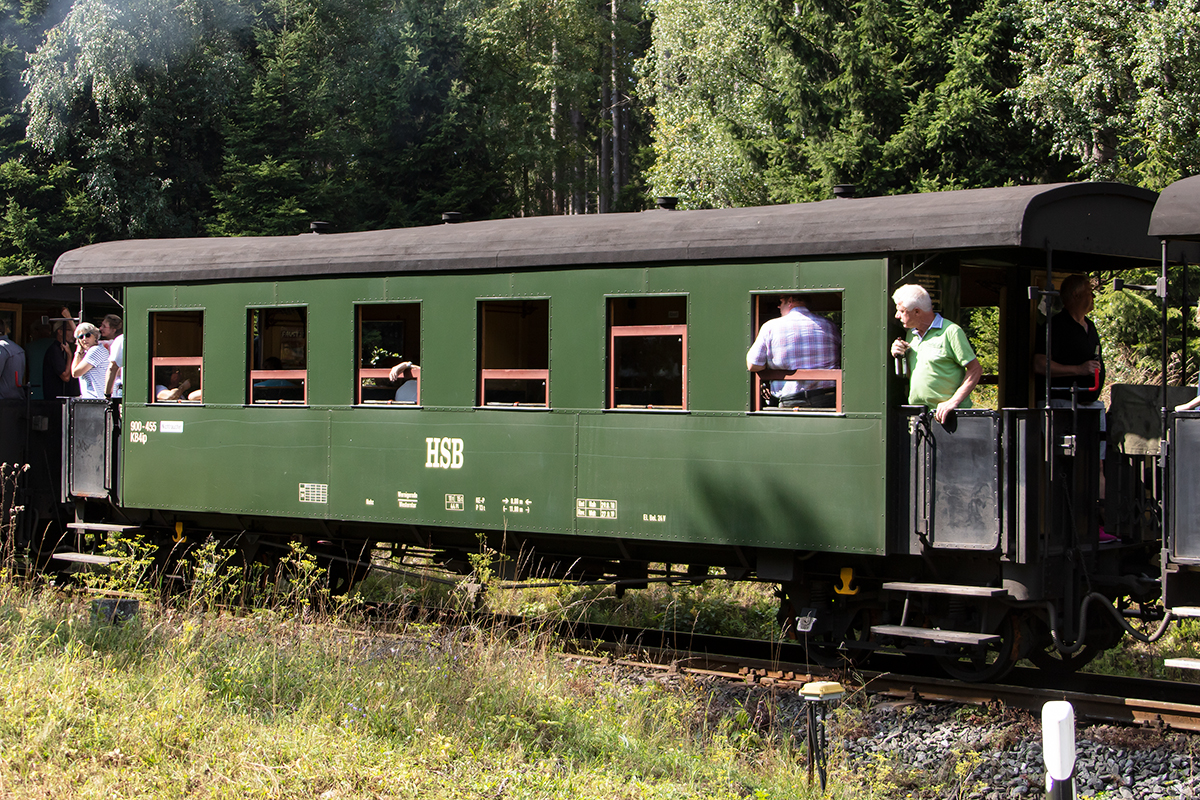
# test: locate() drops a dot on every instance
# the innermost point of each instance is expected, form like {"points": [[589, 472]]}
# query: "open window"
{"points": [[389, 336], [176, 356], [514, 353], [647, 352], [278, 342], [816, 388]]}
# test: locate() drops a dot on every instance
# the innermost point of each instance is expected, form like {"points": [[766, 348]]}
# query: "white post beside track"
{"points": [[1058, 749]]}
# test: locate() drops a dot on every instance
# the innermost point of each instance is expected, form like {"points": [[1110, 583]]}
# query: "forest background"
{"points": [[164, 118]]}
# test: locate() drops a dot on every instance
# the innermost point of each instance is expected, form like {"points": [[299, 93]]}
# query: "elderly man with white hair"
{"points": [[942, 366]]}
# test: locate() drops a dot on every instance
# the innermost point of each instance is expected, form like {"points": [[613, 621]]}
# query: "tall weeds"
{"points": [[204, 695]]}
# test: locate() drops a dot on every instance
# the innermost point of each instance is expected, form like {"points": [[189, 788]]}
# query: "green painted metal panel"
{"points": [[766, 481], [715, 475], [498, 469], [225, 460]]}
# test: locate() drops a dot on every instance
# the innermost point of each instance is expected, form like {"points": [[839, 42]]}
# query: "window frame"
{"points": [[362, 372], [274, 374], [157, 362], [615, 332], [835, 375], [483, 375]]}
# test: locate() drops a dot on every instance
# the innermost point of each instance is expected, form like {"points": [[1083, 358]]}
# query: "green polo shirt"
{"points": [[937, 363]]}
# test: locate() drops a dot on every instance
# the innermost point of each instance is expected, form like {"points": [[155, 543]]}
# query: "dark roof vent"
{"points": [[451, 217], [845, 190], [318, 227], [666, 203]]}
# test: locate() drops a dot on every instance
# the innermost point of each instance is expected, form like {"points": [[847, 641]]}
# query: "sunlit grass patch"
{"points": [[188, 702]]}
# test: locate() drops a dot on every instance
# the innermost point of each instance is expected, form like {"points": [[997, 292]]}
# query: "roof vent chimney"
{"points": [[318, 227], [666, 203], [451, 217], [845, 190]]}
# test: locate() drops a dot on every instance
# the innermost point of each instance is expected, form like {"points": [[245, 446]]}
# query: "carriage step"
{"points": [[100, 526], [85, 558], [1182, 663], [945, 588], [1186, 611], [934, 635]]}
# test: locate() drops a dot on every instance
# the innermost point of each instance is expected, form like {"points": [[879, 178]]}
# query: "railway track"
{"points": [[1165, 705]]}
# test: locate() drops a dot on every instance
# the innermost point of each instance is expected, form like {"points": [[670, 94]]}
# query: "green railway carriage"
{"points": [[579, 394]]}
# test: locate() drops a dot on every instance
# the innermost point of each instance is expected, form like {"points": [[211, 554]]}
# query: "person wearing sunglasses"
{"points": [[90, 364]]}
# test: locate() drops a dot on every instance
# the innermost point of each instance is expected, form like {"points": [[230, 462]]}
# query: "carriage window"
{"points": [[278, 342], [389, 336], [176, 356], [814, 381], [647, 352], [514, 353]]}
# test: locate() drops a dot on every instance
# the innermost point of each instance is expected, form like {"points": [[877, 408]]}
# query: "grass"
{"points": [[199, 696], [189, 700], [1138, 659]]}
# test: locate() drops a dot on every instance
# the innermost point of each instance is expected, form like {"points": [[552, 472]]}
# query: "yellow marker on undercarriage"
{"points": [[846, 580]]}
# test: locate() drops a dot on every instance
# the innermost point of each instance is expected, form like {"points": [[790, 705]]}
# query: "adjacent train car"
{"points": [[31, 429], [572, 391], [1177, 219]]}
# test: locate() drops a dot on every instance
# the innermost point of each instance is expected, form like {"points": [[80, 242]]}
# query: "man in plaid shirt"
{"points": [[798, 339]]}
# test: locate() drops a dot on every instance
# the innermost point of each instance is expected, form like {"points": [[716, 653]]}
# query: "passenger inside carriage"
{"points": [[1075, 364], [404, 376], [57, 380], [169, 388], [798, 339]]}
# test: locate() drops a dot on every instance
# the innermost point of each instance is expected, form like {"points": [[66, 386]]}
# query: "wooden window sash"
{"points": [[279, 374], [630, 331], [486, 375], [175, 361], [372, 372]]}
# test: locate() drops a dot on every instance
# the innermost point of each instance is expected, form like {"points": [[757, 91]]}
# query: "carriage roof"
{"points": [[1103, 219], [1177, 213]]}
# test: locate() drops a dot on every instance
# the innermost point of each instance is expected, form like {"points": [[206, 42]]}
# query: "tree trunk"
{"points": [[555, 156], [579, 188], [616, 112], [605, 168]]}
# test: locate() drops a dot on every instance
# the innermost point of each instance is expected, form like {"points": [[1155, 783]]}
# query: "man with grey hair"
{"points": [[12, 366], [942, 365]]}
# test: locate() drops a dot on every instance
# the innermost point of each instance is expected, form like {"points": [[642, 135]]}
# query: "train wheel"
{"points": [[827, 650], [989, 662]]}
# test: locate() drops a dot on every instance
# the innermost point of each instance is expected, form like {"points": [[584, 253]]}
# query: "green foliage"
{"points": [[46, 212], [781, 101], [714, 607], [135, 93], [1115, 84], [983, 328], [1130, 326], [709, 74], [552, 79], [353, 112], [130, 573]]}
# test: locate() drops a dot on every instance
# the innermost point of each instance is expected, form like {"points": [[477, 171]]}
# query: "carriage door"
{"points": [[87, 448], [953, 481], [1184, 479]]}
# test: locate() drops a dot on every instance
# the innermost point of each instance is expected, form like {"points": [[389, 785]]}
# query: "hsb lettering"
{"points": [[443, 453]]}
